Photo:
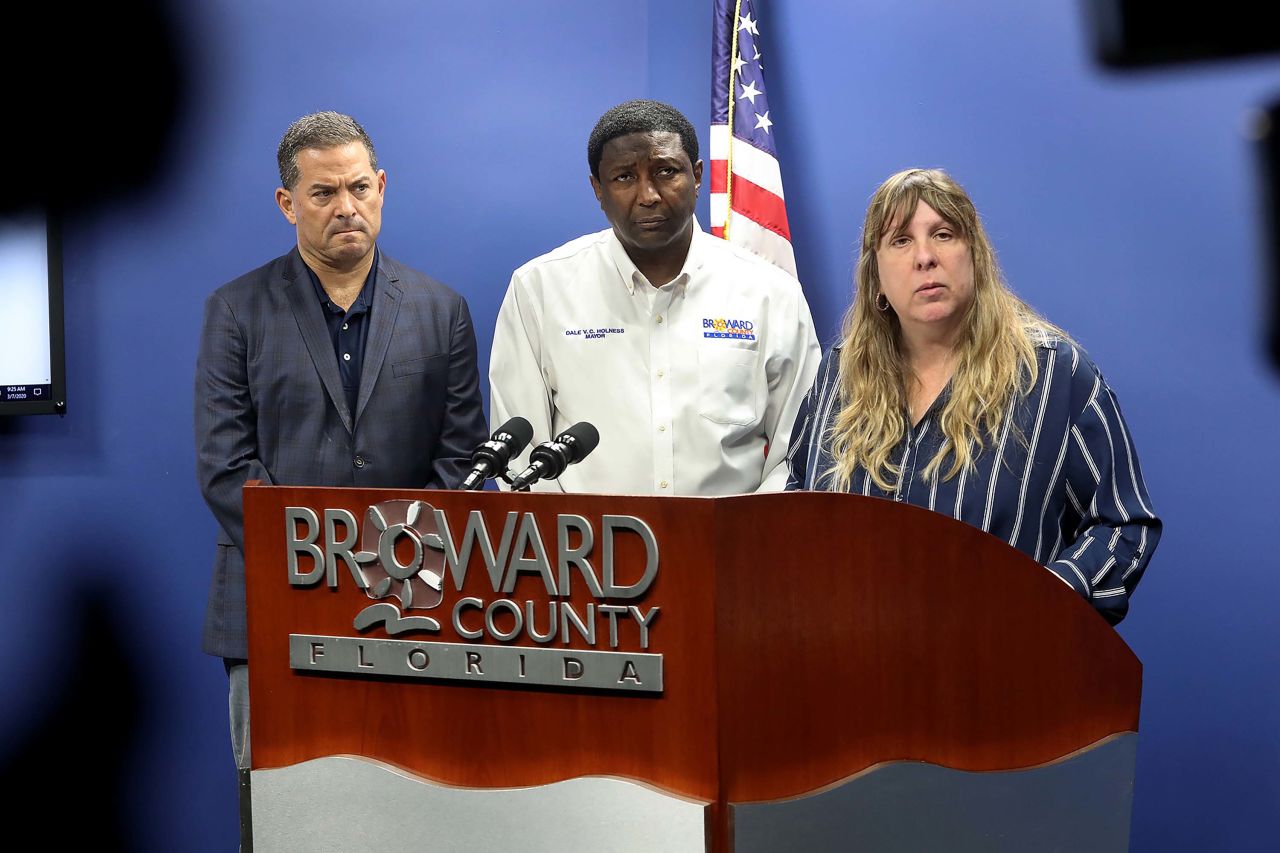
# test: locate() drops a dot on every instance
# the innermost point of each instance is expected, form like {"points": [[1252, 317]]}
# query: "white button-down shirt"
{"points": [[694, 386]]}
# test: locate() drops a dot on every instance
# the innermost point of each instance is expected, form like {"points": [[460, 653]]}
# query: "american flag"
{"points": [[747, 207]]}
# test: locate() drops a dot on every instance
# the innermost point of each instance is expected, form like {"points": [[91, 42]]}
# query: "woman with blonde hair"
{"points": [[949, 392]]}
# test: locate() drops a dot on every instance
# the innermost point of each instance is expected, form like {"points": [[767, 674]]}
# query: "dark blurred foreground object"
{"points": [[1137, 33], [1267, 131], [97, 95], [71, 770]]}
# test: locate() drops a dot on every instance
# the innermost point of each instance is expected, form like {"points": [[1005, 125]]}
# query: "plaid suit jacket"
{"points": [[269, 404]]}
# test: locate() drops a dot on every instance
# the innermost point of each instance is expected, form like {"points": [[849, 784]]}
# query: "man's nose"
{"points": [[345, 203], [647, 192]]}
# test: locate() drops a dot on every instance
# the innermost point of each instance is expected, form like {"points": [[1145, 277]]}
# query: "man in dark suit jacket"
{"points": [[332, 365]]}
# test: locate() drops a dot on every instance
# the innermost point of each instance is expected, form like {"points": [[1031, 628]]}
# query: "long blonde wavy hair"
{"points": [[995, 354]]}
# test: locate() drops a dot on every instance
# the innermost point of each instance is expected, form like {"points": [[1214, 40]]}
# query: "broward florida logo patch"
{"points": [[720, 327]]}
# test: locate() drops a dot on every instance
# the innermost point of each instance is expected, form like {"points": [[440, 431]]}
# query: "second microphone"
{"points": [[548, 460]]}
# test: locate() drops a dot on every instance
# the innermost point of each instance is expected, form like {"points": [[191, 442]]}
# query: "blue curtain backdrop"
{"points": [[1124, 207]]}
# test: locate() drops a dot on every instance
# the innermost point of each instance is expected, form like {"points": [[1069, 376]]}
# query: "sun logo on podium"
{"points": [[401, 557]]}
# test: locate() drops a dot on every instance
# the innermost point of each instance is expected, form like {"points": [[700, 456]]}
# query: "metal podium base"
{"points": [[341, 804], [1080, 802]]}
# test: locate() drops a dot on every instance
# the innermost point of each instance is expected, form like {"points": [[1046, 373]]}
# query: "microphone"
{"points": [[490, 459], [549, 459]]}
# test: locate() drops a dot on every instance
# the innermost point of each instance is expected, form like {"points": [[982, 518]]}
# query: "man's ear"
{"points": [[284, 200]]}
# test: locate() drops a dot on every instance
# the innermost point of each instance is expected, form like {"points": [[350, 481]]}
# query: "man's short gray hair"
{"points": [[318, 130]]}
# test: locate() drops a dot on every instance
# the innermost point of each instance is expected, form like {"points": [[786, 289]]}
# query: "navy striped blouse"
{"points": [[1069, 493]]}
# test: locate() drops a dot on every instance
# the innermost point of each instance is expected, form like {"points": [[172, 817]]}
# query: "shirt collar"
{"points": [[364, 300], [633, 278], [935, 408]]}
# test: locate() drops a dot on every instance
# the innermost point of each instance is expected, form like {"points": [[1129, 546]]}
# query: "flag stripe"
{"points": [[755, 203], [758, 167], [761, 241]]}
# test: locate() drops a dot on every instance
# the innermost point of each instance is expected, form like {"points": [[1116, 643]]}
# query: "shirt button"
{"points": [[661, 373], [659, 318], [346, 356], [359, 461], [663, 484], [344, 327], [662, 428]]}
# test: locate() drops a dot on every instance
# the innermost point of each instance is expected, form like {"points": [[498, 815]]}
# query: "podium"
{"points": [[806, 671]]}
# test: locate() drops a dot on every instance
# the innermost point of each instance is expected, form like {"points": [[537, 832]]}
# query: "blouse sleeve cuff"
{"points": [[1070, 574]]}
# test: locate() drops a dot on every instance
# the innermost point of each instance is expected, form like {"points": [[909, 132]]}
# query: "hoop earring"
{"points": [[882, 301]]}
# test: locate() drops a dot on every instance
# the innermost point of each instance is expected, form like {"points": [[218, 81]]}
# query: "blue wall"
{"points": [[1123, 207]]}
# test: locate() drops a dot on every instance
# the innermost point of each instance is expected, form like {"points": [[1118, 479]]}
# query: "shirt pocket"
{"points": [[728, 391], [426, 364]]}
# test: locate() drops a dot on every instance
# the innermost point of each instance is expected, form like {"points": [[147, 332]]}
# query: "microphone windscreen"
{"points": [[521, 432], [584, 436]]}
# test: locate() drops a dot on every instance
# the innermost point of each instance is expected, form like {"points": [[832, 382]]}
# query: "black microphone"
{"points": [[490, 459], [549, 459]]}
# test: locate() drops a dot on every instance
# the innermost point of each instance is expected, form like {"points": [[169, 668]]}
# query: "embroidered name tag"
{"points": [[718, 327], [592, 334]]}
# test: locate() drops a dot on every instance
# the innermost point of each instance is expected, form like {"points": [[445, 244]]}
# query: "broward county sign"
{"points": [[413, 564]]}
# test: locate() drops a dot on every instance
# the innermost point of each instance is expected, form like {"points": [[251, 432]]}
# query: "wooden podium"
{"points": [[801, 671]]}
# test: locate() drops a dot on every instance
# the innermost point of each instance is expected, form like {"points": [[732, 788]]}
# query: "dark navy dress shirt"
{"points": [[349, 331], [1061, 483]]}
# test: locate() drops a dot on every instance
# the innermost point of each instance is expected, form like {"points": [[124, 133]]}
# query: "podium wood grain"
{"points": [[805, 637]]}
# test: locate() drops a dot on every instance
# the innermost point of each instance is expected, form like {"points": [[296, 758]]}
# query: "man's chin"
{"points": [[340, 256], [652, 241], [351, 250]]}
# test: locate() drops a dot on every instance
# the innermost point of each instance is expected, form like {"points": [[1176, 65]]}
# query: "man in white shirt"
{"points": [[688, 354]]}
